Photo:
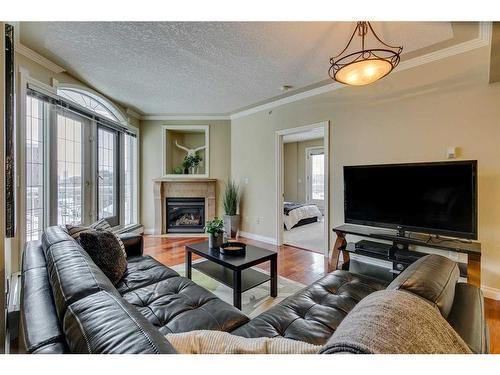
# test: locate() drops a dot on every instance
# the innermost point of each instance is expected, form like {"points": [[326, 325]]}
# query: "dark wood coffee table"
{"points": [[234, 271]]}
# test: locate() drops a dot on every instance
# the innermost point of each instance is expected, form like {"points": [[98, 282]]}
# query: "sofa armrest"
{"points": [[134, 243], [468, 319]]}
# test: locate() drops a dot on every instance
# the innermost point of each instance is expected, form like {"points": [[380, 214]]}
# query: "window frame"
{"points": [[90, 201], [114, 220]]}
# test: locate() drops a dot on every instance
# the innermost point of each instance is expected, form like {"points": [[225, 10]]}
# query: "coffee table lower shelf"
{"points": [[250, 278]]}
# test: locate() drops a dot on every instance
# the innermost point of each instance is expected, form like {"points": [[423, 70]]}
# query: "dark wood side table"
{"points": [[472, 249], [234, 271]]}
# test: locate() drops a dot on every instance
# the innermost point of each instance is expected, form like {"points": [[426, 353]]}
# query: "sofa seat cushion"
{"points": [[143, 271], [314, 313], [176, 304]]}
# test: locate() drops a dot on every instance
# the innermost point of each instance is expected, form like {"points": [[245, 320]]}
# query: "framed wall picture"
{"points": [[10, 183]]}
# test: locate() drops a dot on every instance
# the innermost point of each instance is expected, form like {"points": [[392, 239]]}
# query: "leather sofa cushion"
{"points": [[314, 313], [38, 310], [433, 278], [134, 243], [103, 323], [33, 256], [467, 317], [72, 273], [142, 271], [177, 304]]}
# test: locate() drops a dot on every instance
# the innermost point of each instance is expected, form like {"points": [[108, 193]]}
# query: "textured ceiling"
{"points": [[206, 67]]}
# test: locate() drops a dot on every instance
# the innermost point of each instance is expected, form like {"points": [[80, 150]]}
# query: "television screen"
{"points": [[437, 198]]}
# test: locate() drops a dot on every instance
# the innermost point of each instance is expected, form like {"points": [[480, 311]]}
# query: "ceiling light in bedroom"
{"points": [[366, 65]]}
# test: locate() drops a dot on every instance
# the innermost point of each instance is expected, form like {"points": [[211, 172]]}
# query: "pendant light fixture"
{"points": [[367, 65]]}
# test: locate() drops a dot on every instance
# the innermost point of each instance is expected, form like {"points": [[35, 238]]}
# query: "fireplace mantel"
{"points": [[182, 188]]}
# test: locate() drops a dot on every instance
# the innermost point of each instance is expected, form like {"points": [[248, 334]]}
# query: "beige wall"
{"points": [[411, 115], [294, 169], [151, 155]]}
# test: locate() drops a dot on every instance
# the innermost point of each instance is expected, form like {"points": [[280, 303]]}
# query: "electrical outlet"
{"points": [[259, 220]]}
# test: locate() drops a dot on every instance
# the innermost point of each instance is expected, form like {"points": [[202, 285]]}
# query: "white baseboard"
{"points": [[258, 237], [490, 292], [149, 231]]}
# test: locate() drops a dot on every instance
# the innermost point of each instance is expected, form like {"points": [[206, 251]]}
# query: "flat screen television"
{"points": [[436, 198]]}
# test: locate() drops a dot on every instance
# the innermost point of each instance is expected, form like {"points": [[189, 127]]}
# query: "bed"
{"points": [[297, 214]]}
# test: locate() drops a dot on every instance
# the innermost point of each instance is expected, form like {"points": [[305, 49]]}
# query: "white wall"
{"points": [[409, 116]]}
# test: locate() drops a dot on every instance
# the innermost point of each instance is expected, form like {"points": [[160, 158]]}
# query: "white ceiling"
{"points": [[206, 67]]}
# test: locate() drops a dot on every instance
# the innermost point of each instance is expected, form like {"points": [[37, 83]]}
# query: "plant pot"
{"points": [[231, 225], [215, 241]]}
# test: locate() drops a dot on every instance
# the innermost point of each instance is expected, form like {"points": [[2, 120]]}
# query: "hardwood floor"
{"points": [[293, 263]]}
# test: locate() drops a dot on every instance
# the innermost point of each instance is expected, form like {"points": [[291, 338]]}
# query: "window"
{"points": [[130, 183], [81, 163], [35, 171], [315, 168], [93, 103], [107, 175], [69, 169], [317, 177]]}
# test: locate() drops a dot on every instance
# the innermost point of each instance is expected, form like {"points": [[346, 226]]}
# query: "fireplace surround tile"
{"points": [[182, 188]]}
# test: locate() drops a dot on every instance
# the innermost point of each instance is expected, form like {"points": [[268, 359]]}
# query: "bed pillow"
{"points": [[106, 251], [217, 342]]}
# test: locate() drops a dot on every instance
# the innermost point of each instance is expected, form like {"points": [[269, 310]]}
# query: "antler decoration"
{"points": [[190, 151]]}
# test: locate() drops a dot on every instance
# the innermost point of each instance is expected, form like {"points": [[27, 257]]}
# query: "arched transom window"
{"points": [[90, 101]]}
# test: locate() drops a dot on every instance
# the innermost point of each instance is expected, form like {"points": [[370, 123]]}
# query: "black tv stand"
{"points": [[472, 249]]}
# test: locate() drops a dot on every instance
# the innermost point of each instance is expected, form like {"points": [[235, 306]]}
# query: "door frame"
{"points": [[279, 193]]}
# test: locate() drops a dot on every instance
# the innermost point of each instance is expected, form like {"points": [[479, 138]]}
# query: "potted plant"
{"points": [[195, 162], [231, 200], [191, 163], [215, 230], [186, 164]]}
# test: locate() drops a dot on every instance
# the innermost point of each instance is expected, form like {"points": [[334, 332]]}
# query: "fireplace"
{"points": [[185, 215]]}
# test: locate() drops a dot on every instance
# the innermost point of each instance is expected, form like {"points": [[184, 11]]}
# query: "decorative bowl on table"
{"points": [[233, 248]]}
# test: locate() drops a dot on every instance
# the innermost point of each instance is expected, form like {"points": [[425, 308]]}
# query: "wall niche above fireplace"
{"points": [[186, 151]]}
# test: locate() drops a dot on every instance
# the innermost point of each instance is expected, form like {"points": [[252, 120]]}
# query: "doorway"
{"points": [[302, 156]]}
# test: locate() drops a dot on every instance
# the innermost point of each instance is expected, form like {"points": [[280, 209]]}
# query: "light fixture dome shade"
{"points": [[363, 72], [366, 65]]}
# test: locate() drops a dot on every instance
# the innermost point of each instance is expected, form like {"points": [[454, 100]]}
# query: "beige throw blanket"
{"points": [[216, 342], [395, 322]]}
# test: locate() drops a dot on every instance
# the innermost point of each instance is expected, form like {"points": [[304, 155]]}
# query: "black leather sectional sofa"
{"points": [[69, 306]]}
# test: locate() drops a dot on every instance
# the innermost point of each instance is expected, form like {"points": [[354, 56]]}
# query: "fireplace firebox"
{"points": [[185, 215]]}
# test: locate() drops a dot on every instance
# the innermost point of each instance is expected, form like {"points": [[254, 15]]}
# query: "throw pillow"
{"points": [[217, 342], [105, 250], [75, 230]]}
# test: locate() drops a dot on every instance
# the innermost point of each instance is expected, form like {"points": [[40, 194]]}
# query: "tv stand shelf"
{"points": [[472, 249]]}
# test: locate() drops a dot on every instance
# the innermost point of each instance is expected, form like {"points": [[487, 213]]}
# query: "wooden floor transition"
{"points": [[293, 263]]}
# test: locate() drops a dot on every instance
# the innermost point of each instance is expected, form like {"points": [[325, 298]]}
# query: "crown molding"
{"points": [[133, 114], [483, 39], [185, 117], [39, 59]]}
